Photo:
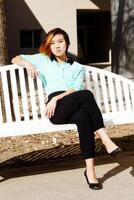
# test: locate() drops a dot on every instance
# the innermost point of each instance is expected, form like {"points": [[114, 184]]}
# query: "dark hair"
{"points": [[45, 45]]}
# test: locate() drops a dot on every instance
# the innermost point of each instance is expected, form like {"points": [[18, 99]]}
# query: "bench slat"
{"points": [[41, 98], [126, 96], [6, 96], [96, 88], [119, 95], [88, 79], [1, 116], [104, 92], [132, 97], [32, 98], [112, 93], [23, 94], [15, 99]]}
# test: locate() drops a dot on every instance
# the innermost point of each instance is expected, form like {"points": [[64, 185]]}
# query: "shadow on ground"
{"points": [[66, 158]]}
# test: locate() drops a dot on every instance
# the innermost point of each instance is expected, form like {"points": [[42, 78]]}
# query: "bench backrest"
{"points": [[23, 98], [113, 92]]}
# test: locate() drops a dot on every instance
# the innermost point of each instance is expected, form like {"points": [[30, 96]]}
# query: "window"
{"points": [[30, 38]]}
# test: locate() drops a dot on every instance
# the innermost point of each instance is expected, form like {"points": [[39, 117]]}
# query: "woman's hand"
{"points": [[31, 70], [50, 108]]}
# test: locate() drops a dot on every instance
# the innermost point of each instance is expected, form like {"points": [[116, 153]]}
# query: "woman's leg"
{"points": [[73, 101], [108, 143], [90, 170], [85, 99], [76, 114], [87, 144], [86, 133]]}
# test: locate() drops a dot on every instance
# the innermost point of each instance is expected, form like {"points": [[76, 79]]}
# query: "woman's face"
{"points": [[58, 45]]}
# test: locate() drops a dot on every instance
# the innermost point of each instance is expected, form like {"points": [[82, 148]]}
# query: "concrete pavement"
{"points": [[64, 180]]}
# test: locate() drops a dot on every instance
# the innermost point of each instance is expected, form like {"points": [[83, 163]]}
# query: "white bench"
{"points": [[24, 101]]}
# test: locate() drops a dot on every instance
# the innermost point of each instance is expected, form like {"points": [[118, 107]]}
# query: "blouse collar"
{"points": [[69, 60]]}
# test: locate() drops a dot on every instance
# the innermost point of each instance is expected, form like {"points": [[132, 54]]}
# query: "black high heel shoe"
{"points": [[115, 152], [94, 186]]}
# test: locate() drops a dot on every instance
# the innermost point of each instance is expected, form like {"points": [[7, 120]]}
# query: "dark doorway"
{"points": [[94, 36]]}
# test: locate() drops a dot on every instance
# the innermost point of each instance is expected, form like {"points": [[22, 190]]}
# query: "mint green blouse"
{"points": [[55, 76]]}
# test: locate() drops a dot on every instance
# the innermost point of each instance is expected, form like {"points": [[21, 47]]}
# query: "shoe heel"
{"points": [[115, 152]]}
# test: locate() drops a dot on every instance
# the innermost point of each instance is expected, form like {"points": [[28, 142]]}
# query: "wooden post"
{"points": [[3, 48]]}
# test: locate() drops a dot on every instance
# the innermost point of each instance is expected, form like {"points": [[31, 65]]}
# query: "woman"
{"points": [[68, 102]]}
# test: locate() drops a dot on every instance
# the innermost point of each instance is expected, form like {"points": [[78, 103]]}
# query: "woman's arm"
{"points": [[50, 108], [31, 70], [60, 96]]}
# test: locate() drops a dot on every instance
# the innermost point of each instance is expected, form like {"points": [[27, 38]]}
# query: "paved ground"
{"points": [[64, 180]]}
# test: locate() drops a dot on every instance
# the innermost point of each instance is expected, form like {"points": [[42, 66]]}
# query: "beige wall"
{"points": [[57, 13]]}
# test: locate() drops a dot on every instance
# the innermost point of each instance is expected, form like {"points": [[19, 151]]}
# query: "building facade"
{"points": [[87, 22]]}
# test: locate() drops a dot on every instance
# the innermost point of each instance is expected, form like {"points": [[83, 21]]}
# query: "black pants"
{"points": [[80, 108]]}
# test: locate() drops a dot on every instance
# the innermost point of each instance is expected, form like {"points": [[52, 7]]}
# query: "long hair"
{"points": [[45, 45]]}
